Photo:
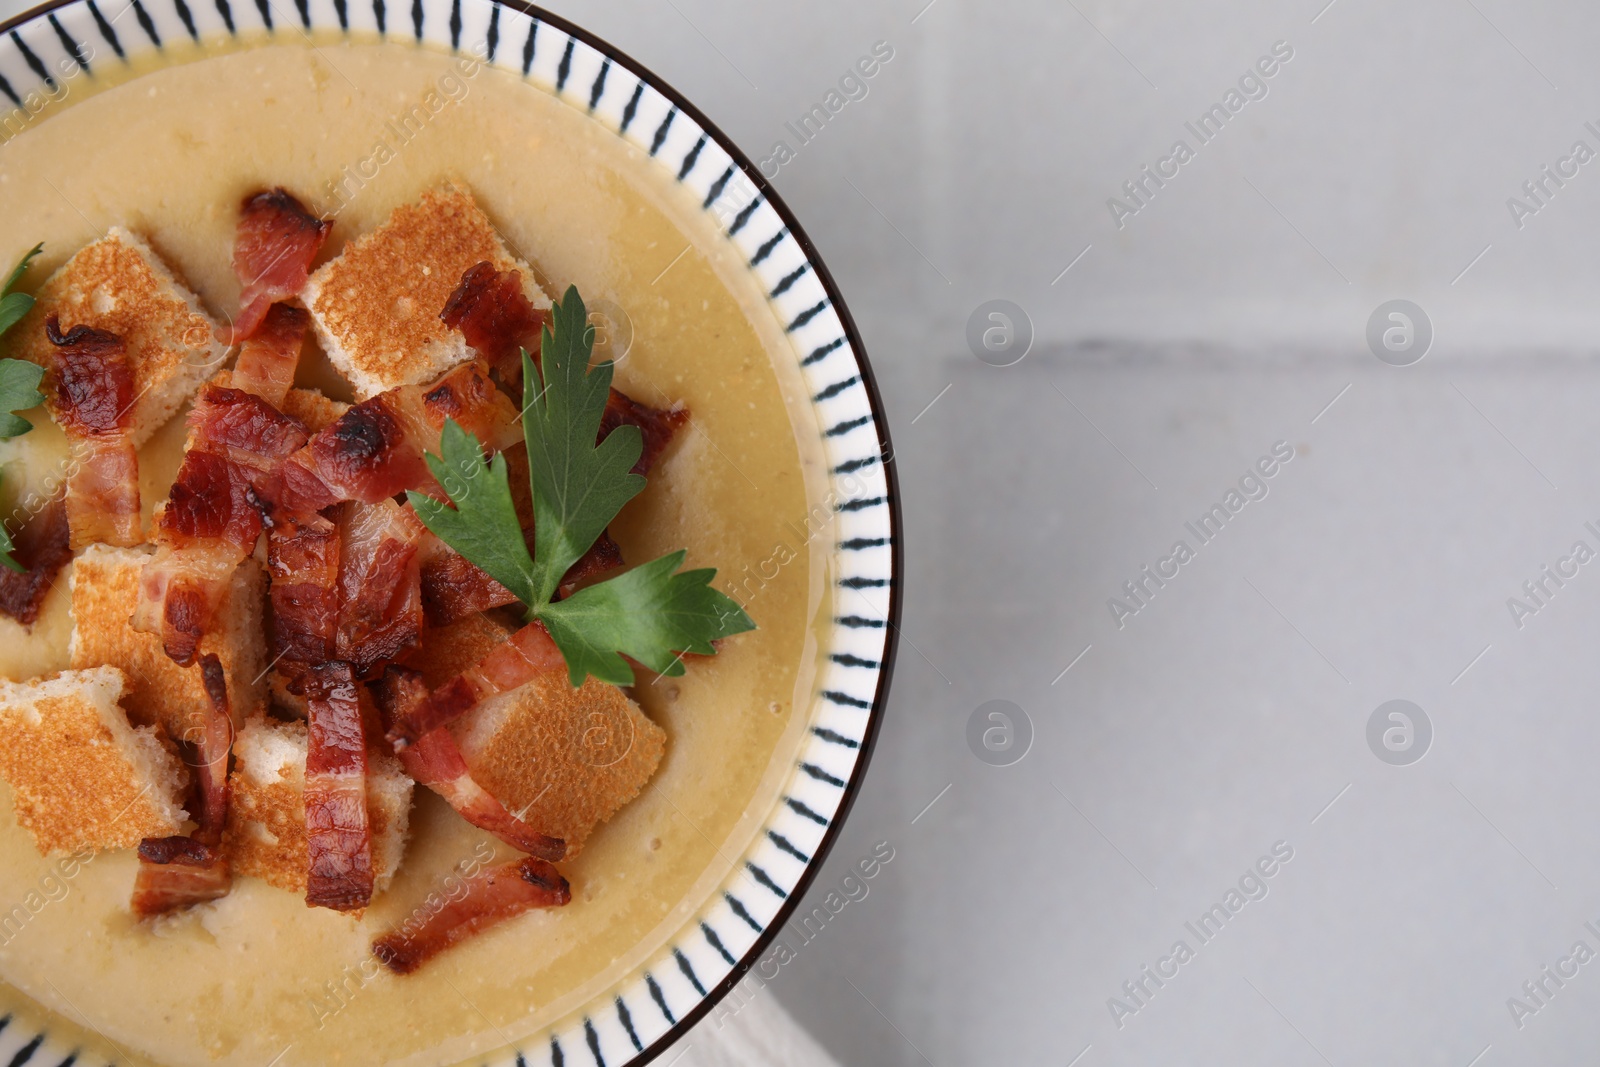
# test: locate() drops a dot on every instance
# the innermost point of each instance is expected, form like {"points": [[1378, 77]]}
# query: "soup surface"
{"points": [[169, 151]]}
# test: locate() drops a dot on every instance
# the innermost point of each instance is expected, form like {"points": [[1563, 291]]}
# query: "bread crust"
{"points": [[81, 776], [565, 760], [376, 306], [118, 283], [105, 591], [266, 834]]}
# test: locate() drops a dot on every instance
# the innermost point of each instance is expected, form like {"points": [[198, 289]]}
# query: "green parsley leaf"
{"points": [[483, 525], [648, 613], [578, 486], [5, 552], [21, 268], [19, 390], [14, 305], [652, 613], [19, 380]]}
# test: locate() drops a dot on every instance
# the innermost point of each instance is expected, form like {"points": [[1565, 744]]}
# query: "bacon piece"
{"points": [[276, 241], [103, 493], [374, 450], [93, 401], [93, 383], [604, 555], [268, 360], [380, 585], [43, 546], [176, 872], [454, 588], [656, 426], [492, 896], [212, 518], [495, 316], [213, 743], [245, 429], [436, 762], [338, 838], [179, 591], [303, 560], [522, 657], [210, 502]]}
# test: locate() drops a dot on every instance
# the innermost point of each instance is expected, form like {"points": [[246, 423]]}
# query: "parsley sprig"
{"points": [[19, 380], [653, 613]]}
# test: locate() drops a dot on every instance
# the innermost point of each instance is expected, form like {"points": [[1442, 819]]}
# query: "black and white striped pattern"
{"points": [[648, 1009]]}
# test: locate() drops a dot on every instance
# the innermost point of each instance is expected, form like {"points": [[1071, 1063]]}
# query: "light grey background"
{"points": [[1230, 713], [1223, 317]]}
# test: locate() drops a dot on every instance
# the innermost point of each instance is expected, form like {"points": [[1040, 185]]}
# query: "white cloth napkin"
{"points": [[748, 1029]]}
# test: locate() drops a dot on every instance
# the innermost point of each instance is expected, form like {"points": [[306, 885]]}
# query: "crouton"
{"points": [[564, 759], [81, 776], [119, 284], [314, 409], [446, 651], [105, 590], [266, 834], [376, 307]]}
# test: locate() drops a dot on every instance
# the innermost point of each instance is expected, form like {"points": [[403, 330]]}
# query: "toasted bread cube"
{"points": [[572, 758], [446, 651], [105, 590], [314, 409], [564, 759], [81, 776], [376, 307], [266, 835], [119, 284]]}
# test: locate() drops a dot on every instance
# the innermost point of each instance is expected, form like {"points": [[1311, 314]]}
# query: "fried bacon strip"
{"points": [[211, 519], [303, 561], [213, 743], [267, 361], [338, 837], [492, 896], [43, 546], [436, 762], [175, 872], [656, 426], [523, 656], [93, 400], [246, 430], [495, 316], [380, 584], [276, 241], [374, 450], [179, 592], [454, 588]]}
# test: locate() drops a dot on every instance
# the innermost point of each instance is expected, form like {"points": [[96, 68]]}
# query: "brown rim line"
{"points": [[869, 383]]}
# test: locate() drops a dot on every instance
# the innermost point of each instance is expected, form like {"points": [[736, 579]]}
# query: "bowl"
{"points": [[727, 930]]}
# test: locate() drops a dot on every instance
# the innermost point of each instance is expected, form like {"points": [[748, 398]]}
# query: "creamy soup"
{"points": [[169, 152]]}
